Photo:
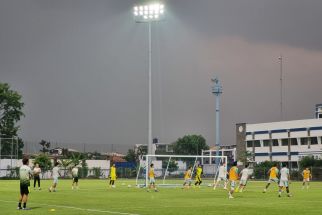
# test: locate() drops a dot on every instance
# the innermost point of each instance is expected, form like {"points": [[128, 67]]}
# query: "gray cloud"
{"points": [[82, 67], [292, 22]]}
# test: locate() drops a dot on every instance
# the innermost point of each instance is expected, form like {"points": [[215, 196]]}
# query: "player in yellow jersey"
{"points": [[198, 176], [306, 178], [152, 179], [233, 178], [187, 178], [112, 176], [273, 176]]}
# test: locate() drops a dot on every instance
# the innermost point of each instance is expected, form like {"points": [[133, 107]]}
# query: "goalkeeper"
{"points": [[198, 176]]}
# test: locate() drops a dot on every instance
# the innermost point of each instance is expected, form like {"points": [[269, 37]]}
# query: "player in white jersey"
{"points": [[75, 178], [284, 181], [25, 174], [244, 174], [55, 175], [222, 176], [37, 172]]}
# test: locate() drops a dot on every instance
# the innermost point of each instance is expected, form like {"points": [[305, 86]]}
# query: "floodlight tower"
{"points": [[217, 91], [149, 13]]}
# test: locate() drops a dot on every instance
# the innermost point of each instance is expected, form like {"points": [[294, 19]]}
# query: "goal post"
{"points": [[169, 169]]}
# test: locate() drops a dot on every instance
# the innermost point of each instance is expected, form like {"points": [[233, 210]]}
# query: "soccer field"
{"points": [[94, 197]]}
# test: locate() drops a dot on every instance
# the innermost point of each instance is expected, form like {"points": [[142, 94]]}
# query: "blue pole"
{"points": [[217, 91], [217, 144]]}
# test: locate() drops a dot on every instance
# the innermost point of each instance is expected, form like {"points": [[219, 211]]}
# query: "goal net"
{"points": [[169, 169]]}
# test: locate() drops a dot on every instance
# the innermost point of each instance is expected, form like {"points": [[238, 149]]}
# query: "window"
{"points": [[257, 143], [249, 144], [304, 141], [294, 142], [314, 140], [169, 148], [266, 143], [284, 142], [275, 142]]}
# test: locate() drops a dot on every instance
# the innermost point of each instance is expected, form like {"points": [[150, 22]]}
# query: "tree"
{"points": [[141, 150], [135, 155], [247, 157], [44, 162], [310, 161], [76, 158], [190, 145], [65, 152], [66, 165], [84, 169], [45, 146], [173, 165], [10, 113], [131, 156]]}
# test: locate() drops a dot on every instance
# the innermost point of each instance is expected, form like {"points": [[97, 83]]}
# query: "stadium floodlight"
{"points": [[149, 12]]}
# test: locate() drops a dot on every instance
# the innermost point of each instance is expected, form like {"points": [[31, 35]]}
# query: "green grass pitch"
{"points": [[94, 197]]}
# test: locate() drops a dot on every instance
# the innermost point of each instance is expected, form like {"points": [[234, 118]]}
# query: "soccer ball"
{"points": [[129, 186]]}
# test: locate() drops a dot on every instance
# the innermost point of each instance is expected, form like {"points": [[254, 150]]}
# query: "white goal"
{"points": [[169, 169]]}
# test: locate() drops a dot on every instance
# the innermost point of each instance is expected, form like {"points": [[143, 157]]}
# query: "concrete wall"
{"points": [[240, 140], [4, 163]]}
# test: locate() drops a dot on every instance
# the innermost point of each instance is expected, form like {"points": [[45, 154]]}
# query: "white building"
{"points": [[285, 141], [318, 111]]}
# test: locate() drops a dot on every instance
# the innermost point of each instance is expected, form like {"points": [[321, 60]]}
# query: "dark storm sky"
{"points": [[81, 66]]}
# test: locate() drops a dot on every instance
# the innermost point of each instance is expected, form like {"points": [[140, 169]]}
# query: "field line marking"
{"points": [[77, 208]]}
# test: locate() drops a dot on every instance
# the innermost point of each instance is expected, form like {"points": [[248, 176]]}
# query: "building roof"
{"points": [[115, 159], [305, 123]]}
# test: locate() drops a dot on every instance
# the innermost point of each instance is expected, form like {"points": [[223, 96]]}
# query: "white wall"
{"points": [[4, 163], [284, 125]]}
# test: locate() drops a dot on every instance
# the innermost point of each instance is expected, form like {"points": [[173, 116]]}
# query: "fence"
{"points": [[131, 172], [295, 174], [83, 172], [9, 148]]}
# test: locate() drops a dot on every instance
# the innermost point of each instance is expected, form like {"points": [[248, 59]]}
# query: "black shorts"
{"points": [[24, 189], [75, 179]]}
